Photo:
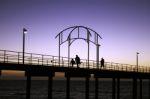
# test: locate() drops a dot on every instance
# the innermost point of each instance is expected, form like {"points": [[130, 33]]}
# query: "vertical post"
{"points": [[24, 32], [69, 50], [137, 60], [134, 88], [18, 57], [68, 88], [50, 84], [96, 88], [97, 56], [42, 59], [118, 88], [88, 38], [97, 50], [28, 86], [23, 45], [62, 62], [0, 72], [59, 50], [87, 88], [141, 88], [149, 87], [113, 88], [31, 59], [4, 56]]}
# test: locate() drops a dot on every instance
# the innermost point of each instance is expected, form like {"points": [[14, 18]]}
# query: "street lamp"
{"points": [[24, 32], [137, 53]]}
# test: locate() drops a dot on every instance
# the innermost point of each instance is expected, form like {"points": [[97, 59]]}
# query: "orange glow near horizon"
{"points": [[12, 73]]}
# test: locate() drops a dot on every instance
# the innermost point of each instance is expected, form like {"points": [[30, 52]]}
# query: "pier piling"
{"points": [[96, 88], [113, 88], [118, 88], [134, 88], [141, 88], [87, 88], [28, 86], [50, 84], [149, 88], [68, 88]]}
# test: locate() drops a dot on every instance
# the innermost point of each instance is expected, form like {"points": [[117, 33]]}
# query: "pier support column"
{"points": [[141, 88], [96, 88], [68, 88], [149, 88], [134, 88], [113, 88], [118, 88], [28, 86], [87, 88], [50, 84], [0, 72]]}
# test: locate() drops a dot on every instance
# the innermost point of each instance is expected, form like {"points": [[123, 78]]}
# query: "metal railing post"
{"points": [[47, 62], [31, 58], [18, 57], [4, 55], [42, 59], [62, 62], [7, 59], [38, 61]]}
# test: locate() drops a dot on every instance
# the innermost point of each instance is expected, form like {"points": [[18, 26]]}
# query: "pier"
{"points": [[47, 65]]}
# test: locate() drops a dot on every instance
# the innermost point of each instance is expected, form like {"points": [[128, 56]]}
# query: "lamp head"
{"points": [[24, 31]]}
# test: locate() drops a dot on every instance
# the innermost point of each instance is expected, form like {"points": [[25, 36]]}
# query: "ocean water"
{"points": [[16, 89]]}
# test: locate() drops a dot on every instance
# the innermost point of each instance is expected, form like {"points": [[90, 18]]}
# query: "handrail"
{"points": [[15, 57]]}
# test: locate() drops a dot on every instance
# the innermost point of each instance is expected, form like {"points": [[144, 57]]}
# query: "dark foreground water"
{"points": [[15, 89]]}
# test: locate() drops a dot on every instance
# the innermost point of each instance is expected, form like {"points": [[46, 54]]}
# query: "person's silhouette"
{"points": [[72, 62], [77, 59], [102, 62]]}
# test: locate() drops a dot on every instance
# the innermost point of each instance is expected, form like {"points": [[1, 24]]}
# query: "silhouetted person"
{"points": [[72, 62], [77, 59], [102, 62]]}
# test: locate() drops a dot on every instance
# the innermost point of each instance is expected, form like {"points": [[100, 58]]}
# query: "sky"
{"points": [[124, 26]]}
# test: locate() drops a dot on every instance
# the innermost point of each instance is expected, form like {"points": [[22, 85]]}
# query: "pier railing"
{"points": [[14, 57]]}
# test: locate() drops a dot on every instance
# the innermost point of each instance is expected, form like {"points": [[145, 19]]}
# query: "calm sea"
{"points": [[15, 89]]}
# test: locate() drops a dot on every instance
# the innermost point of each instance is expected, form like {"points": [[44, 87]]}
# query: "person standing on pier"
{"points": [[102, 62], [77, 59], [72, 62]]}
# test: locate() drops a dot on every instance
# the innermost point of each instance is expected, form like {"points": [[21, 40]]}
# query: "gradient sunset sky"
{"points": [[123, 24]]}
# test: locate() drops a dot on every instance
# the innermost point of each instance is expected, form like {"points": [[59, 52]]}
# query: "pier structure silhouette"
{"points": [[47, 65]]}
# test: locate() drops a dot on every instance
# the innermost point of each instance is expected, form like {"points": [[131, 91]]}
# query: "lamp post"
{"points": [[24, 33], [137, 53]]}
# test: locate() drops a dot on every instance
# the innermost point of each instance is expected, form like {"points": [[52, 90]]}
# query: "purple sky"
{"points": [[123, 24]]}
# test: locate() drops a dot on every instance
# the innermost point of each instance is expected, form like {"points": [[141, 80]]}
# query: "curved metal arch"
{"points": [[71, 40], [75, 28], [78, 28]]}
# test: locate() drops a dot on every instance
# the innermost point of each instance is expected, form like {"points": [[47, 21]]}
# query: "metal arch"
{"points": [[75, 27], [71, 40]]}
